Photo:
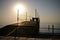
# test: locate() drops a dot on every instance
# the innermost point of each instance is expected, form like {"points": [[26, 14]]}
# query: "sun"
{"points": [[20, 7]]}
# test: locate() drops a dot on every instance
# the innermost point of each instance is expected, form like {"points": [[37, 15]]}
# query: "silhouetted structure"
{"points": [[24, 28], [53, 29], [49, 28], [37, 21]]}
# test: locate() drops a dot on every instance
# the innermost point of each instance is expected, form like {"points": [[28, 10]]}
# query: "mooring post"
{"points": [[52, 29], [49, 28]]}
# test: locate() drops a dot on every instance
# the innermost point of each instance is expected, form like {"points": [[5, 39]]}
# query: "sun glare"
{"points": [[20, 7]]}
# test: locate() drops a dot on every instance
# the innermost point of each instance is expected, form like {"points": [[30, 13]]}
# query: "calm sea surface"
{"points": [[44, 27]]}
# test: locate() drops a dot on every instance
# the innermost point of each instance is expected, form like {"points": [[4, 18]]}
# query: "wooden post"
{"points": [[52, 29], [49, 28]]}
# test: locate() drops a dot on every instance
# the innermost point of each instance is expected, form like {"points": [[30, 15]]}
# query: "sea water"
{"points": [[44, 27]]}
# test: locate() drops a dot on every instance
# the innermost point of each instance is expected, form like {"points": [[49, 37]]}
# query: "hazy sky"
{"points": [[48, 10]]}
